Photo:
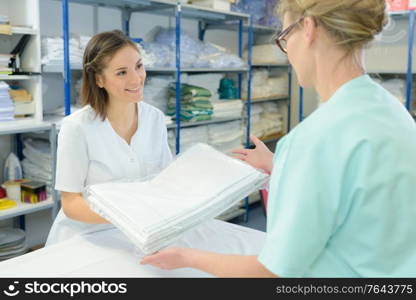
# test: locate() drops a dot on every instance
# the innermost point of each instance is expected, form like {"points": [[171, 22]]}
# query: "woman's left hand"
{"points": [[168, 259]]}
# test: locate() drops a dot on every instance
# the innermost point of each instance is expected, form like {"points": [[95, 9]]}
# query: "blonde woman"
{"points": [[341, 201], [115, 136]]}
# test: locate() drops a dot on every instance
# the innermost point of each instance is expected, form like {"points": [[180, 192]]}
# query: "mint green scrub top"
{"points": [[342, 198]]}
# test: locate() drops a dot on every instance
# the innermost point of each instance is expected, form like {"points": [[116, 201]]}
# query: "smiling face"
{"points": [[124, 76]]}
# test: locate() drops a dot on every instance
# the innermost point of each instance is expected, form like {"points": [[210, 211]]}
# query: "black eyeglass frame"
{"points": [[281, 35]]}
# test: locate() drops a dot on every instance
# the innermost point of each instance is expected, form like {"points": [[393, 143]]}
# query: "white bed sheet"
{"points": [[109, 253]]}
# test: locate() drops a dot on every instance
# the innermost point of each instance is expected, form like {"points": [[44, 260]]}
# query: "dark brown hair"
{"points": [[98, 52]]}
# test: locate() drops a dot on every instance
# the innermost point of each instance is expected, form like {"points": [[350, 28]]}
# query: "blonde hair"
{"points": [[352, 23]]}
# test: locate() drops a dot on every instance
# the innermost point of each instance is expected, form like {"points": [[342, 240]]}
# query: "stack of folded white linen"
{"points": [[227, 108], [37, 163], [225, 136], [198, 185]]}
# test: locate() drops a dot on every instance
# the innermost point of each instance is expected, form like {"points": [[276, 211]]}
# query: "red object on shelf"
{"points": [[398, 5], [3, 193]]}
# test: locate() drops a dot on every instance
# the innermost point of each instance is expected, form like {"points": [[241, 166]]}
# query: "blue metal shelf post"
{"points": [[240, 54], [409, 74], [67, 67], [300, 104], [248, 103], [178, 76]]}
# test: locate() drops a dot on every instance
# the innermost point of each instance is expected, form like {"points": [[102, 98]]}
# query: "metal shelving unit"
{"points": [[180, 11], [160, 7], [27, 12], [200, 123]]}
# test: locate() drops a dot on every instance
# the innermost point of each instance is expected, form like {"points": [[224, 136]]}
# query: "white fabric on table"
{"points": [[109, 253], [200, 184]]}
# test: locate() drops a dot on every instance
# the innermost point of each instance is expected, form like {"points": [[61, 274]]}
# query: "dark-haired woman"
{"points": [[115, 136]]}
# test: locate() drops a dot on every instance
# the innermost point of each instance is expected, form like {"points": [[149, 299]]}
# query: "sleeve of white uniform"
{"points": [[302, 207], [72, 158], [166, 154]]}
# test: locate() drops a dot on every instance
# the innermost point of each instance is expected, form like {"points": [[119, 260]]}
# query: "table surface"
{"points": [[109, 253]]}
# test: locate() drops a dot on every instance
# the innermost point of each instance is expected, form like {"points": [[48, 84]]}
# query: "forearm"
{"points": [[226, 265], [77, 209]]}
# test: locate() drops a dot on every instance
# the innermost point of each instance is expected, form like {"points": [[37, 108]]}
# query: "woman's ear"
{"points": [[99, 80], [310, 29]]}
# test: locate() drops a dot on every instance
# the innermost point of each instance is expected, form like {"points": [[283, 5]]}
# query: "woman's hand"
{"points": [[168, 259], [260, 157]]}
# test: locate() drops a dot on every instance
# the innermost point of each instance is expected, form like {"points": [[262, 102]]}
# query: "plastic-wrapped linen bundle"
{"points": [[227, 108], [267, 54], [209, 81], [278, 85], [38, 162], [225, 136], [53, 51], [158, 55], [189, 137], [259, 84], [199, 185], [190, 48], [156, 91]]}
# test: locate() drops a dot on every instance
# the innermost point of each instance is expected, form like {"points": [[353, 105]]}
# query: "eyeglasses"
{"points": [[280, 37]]}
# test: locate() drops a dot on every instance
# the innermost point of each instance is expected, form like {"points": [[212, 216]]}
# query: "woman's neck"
{"points": [[124, 119], [335, 71], [122, 113]]}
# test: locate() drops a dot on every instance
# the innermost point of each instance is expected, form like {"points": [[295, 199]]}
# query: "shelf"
{"points": [[272, 137], [213, 121], [231, 215], [21, 126], [234, 26], [24, 30], [399, 14], [60, 69], [164, 7], [25, 208], [270, 66], [197, 70], [16, 77], [269, 98]]}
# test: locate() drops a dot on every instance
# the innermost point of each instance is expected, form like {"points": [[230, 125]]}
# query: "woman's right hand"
{"points": [[260, 157]]}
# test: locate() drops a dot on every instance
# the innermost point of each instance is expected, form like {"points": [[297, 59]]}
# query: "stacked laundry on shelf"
{"points": [[156, 91], [161, 49], [228, 108], [6, 103], [264, 86], [209, 81], [195, 103], [225, 136], [266, 119], [53, 50], [198, 186], [37, 164], [267, 54], [12, 243], [189, 137]]}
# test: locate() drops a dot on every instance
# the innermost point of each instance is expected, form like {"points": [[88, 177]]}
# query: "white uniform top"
{"points": [[90, 152]]}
